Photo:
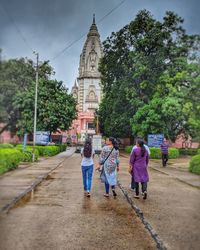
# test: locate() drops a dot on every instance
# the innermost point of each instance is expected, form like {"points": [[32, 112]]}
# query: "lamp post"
{"points": [[35, 110]]}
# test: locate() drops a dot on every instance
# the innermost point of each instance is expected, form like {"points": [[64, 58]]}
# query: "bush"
{"points": [[155, 153], [9, 159], [188, 151], [128, 149], [6, 145], [198, 151], [195, 164], [45, 150], [62, 147], [28, 154], [51, 150]]}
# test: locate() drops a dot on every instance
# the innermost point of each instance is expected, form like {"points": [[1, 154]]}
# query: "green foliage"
{"points": [[44, 150], [51, 150], [128, 149], [188, 151], [15, 75], [6, 145], [156, 153], [56, 108], [150, 79], [198, 152], [195, 164], [9, 159]]}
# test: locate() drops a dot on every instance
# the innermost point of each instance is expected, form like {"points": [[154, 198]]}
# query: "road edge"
{"points": [[159, 242], [28, 191]]}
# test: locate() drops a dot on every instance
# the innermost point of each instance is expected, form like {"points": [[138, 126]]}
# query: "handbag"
{"points": [[102, 175]]}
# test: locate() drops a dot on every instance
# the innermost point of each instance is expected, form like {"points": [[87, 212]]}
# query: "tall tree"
{"points": [[145, 63]]}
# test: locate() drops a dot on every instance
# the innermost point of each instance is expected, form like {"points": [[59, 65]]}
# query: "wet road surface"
{"points": [[58, 216]]}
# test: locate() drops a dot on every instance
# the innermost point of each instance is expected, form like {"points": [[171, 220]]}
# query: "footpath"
{"points": [[173, 203], [18, 184]]}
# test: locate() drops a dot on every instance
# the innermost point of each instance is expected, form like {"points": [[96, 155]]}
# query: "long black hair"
{"points": [[87, 150], [140, 142], [114, 142]]}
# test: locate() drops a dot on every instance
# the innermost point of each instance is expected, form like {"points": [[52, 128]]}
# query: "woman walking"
{"points": [[109, 158], [138, 168], [87, 164]]}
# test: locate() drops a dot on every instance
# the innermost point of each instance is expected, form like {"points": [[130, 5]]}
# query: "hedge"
{"points": [[28, 154], [6, 145], [156, 152], [188, 151], [9, 159], [46, 150], [195, 164]]}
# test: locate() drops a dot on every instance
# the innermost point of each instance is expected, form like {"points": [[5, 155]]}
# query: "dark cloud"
{"points": [[50, 25]]}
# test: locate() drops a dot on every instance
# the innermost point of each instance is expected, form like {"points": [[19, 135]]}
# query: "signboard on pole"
{"points": [[42, 137], [155, 140]]}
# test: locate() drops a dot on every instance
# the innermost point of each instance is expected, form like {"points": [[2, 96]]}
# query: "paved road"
{"points": [[173, 204], [59, 217]]}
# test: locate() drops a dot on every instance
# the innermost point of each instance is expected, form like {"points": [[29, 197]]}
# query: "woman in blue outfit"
{"points": [[87, 164], [109, 158]]}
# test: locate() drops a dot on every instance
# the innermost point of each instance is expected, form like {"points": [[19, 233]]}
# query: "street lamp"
{"points": [[36, 97]]}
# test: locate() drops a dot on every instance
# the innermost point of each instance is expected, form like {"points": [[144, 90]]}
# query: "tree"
{"points": [[146, 63], [15, 75], [56, 108]]}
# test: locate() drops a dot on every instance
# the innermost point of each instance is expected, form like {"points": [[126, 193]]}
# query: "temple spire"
{"points": [[93, 18]]}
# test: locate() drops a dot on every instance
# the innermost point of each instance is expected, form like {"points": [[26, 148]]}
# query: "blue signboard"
{"points": [[42, 137], [155, 140]]}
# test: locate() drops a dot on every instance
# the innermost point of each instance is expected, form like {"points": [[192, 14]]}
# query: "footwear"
{"points": [[136, 196], [114, 193], [144, 195], [88, 194], [106, 195]]}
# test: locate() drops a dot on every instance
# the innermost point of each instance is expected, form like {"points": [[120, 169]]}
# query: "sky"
{"points": [[49, 26]]}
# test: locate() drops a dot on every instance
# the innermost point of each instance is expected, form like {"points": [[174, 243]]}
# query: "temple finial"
{"points": [[93, 18]]}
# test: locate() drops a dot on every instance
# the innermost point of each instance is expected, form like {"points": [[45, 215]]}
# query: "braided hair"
{"points": [[87, 150]]}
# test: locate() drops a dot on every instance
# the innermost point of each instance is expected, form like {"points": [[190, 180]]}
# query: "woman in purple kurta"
{"points": [[138, 167]]}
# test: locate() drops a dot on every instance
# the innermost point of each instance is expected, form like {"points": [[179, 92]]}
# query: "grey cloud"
{"points": [[50, 25]]}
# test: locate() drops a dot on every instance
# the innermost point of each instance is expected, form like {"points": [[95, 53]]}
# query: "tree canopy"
{"points": [[150, 79], [56, 108]]}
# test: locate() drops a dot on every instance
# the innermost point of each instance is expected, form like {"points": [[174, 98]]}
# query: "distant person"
{"points": [[87, 164], [165, 152], [109, 159], [132, 186], [138, 168]]}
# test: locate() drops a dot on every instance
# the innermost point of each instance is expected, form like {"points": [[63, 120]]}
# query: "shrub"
{"points": [[9, 159], [128, 149], [51, 150], [188, 151], [195, 164], [62, 147], [28, 154], [6, 145], [198, 151], [155, 153]]}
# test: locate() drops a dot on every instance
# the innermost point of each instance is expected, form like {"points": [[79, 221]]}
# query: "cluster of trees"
{"points": [[151, 79], [56, 108]]}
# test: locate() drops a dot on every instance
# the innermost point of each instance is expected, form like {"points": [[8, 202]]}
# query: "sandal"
{"points": [[88, 194], [136, 196]]}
